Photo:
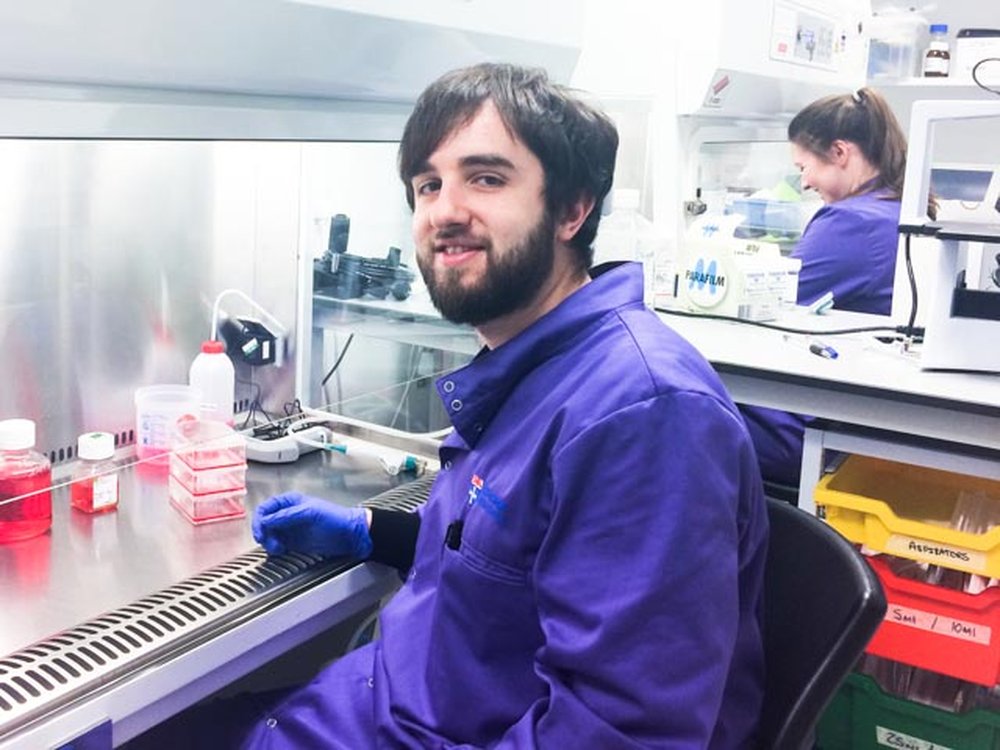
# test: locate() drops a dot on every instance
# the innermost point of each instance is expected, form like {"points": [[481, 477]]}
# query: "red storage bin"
{"points": [[940, 629]]}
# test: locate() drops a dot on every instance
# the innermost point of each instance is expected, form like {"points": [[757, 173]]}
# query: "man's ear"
{"points": [[573, 219]]}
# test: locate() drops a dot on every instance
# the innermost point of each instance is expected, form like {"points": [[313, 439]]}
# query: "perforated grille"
{"points": [[36, 679], [407, 497]]}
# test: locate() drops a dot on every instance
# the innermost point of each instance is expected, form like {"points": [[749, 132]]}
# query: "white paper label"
{"points": [[105, 491], [935, 552], [892, 738], [936, 66], [915, 618]]}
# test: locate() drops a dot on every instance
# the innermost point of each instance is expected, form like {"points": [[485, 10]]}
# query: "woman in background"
{"points": [[851, 150]]}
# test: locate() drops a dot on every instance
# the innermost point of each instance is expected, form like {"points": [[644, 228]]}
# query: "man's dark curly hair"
{"points": [[575, 142]]}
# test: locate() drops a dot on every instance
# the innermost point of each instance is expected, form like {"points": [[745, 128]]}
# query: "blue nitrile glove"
{"points": [[293, 522]]}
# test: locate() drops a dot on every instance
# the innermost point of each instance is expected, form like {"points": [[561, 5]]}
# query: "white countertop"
{"points": [[870, 383]]}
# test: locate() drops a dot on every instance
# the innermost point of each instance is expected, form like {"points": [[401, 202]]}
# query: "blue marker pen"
{"points": [[816, 347], [823, 350]]}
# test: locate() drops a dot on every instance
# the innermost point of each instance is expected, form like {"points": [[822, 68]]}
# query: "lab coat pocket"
{"points": [[491, 602], [490, 567]]}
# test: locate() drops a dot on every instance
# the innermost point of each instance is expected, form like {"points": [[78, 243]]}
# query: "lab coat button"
{"points": [[371, 682], [271, 722], [447, 465], [448, 386], [456, 405]]}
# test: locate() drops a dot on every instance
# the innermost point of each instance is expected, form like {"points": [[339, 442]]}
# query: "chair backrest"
{"points": [[822, 604]]}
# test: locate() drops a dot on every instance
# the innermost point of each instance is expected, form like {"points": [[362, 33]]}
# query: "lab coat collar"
{"points": [[473, 394]]}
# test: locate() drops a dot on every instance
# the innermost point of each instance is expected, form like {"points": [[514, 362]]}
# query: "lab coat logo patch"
{"points": [[483, 497]]}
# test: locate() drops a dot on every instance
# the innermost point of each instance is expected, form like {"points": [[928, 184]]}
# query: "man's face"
{"points": [[485, 243]]}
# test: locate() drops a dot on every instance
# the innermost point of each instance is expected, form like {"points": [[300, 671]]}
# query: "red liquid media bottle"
{"points": [[25, 483], [95, 479]]}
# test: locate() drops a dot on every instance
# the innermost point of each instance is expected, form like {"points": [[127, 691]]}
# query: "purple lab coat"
{"points": [[606, 588], [848, 248]]}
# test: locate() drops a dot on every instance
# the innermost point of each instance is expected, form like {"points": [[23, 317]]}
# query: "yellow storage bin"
{"points": [[912, 511]]}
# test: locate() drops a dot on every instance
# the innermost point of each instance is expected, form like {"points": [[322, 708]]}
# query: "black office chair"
{"points": [[822, 605], [787, 492]]}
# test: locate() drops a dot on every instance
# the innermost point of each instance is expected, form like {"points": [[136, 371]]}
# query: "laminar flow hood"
{"points": [[376, 50], [767, 58]]}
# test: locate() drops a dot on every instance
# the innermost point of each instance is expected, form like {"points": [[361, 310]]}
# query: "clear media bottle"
{"points": [[25, 483], [625, 234], [95, 478], [937, 60], [213, 374]]}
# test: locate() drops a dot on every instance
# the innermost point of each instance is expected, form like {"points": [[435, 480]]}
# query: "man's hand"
{"points": [[293, 522]]}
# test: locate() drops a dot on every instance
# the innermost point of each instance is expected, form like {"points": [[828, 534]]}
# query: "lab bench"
{"points": [[129, 616], [872, 399], [874, 403]]}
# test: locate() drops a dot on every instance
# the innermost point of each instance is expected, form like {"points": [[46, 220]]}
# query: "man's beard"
{"points": [[511, 281]]}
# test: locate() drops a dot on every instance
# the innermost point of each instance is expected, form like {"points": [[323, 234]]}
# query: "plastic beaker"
{"points": [[157, 410]]}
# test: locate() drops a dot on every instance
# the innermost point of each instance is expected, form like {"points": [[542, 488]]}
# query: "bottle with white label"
{"points": [[95, 477], [937, 59]]}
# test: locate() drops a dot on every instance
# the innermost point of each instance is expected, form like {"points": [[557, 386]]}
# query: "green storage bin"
{"points": [[863, 717]]}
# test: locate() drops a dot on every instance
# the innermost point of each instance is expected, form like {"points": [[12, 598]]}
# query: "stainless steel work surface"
{"points": [[91, 564]]}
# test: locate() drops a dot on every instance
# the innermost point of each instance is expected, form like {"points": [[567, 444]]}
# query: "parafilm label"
{"points": [[705, 282], [892, 738], [937, 553], [949, 626]]}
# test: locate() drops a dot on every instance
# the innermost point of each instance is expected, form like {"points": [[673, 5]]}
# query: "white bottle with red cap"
{"points": [[213, 375]]}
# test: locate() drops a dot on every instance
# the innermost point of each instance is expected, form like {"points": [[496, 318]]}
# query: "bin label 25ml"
{"points": [[892, 738], [939, 624], [937, 553]]}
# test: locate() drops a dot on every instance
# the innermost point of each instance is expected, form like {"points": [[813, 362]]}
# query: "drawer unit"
{"points": [[908, 511], [940, 629], [863, 717]]}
